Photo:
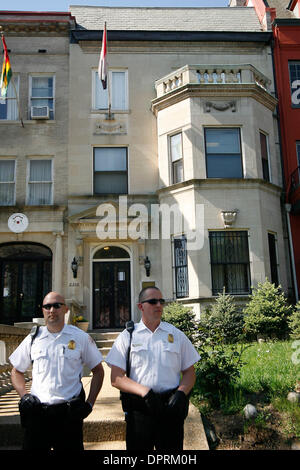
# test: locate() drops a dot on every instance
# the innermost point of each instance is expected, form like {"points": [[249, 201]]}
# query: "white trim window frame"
{"points": [[7, 182], [117, 86], [9, 110], [176, 157], [265, 156], [44, 99], [39, 185]]}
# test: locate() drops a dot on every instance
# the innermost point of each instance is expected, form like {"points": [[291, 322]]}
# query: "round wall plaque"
{"points": [[17, 223]]}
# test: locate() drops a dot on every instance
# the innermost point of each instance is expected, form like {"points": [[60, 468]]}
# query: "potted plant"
{"points": [[81, 322]]}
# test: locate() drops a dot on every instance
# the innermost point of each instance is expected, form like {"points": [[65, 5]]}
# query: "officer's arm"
{"points": [[120, 381], [96, 383], [187, 380], [18, 381]]}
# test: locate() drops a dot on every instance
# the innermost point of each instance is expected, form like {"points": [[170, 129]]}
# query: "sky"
{"points": [[63, 5]]}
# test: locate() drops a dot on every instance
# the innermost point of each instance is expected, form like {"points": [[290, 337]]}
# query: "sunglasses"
{"points": [[56, 305], [154, 301]]}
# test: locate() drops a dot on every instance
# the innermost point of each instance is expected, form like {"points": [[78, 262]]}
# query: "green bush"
{"points": [[224, 319], [267, 312], [294, 322], [182, 318], [219, 331]]}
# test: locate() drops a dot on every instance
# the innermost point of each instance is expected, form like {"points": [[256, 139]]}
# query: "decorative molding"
{"points": [[112, 126], [219, 106], [229, 217]]}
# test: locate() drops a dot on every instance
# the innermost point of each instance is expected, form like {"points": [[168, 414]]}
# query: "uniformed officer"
{"points": [[52, 413], [155, 394]]}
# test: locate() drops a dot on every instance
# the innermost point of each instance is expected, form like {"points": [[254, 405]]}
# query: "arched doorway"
{"points": [[111, 288], [25, 278]]}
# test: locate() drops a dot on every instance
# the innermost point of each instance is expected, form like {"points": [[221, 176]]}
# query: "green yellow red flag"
{"points": [[6, 72]]}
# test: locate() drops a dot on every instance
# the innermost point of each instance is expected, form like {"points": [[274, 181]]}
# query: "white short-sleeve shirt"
{"points": [[157, 358], [57, 362]]}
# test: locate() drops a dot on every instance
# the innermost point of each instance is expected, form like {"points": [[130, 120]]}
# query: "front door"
{"points": [[25, 277], [111, 286]]}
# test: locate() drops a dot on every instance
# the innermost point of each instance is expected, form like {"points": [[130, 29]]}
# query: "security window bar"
{"points": [[40, 182], [9, 105], [176, 157], [264, 149], [7, 182], [42, 93], [181, 267], [223, 153], [230, 269], [273, 259], [110, 170]]}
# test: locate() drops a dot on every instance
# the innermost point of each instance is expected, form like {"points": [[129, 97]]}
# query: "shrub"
{"points": [[267, 312], [182, 318], [225, 319], [294, 322]]}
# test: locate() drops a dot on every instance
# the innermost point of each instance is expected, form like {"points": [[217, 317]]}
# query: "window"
{"points": [[42, 93], [229, 255], [110, 170], [294, 70], [40, 182], [273, 259], [264, 150], [223, 153], [181, 267], [117, 86], [7, 182], [176, 157], [9, 106]]}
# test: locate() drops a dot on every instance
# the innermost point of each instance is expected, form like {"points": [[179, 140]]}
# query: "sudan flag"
{"points": [[6, 72]]}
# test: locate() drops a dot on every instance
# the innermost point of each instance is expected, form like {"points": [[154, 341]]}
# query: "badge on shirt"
{"points": [[72, 344], [170, 338]]}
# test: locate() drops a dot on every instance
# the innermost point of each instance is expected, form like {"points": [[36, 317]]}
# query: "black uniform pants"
{"points": [[144, 432]]}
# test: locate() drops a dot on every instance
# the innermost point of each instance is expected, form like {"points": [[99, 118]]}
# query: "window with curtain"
{"points": [[176, 157], [9, 106], [264, 150], [42, 93], [7, 182], [223, 153], [110, 170], [118, 88], [229, 257], [181, 267], [40, 182]]}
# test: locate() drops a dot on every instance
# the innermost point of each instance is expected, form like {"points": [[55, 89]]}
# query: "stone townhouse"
{"points": [[33, 162], [178, 186]]}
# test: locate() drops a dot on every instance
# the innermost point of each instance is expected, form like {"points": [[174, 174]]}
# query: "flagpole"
{"points": [[108, 83]]}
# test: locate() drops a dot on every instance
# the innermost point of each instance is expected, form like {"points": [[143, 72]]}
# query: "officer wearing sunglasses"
{"points": [[155, 387], [52, 413]]}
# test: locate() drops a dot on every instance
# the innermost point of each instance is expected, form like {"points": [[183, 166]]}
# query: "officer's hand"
{"points": [[28, 403], [153, 402], [178, 404], [79, 409]]}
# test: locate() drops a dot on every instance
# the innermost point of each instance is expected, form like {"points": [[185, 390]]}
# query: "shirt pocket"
{"points": [[139, 355], [171, 356], [40, 360]]}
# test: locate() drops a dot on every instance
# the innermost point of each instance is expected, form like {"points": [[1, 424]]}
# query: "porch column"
{"points": [[57, 265]]}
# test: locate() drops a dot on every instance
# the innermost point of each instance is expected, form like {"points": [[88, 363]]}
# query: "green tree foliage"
{"points": [[267, 312], [294, 322]]}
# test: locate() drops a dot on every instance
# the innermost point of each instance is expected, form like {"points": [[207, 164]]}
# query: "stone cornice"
{"points": [[32, 28], [226, 91]]}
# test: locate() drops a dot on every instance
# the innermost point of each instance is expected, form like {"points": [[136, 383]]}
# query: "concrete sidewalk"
{"points": [[104, 428]]}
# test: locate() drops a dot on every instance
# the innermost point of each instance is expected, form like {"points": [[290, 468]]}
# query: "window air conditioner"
{"points": [[40, 112]]}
